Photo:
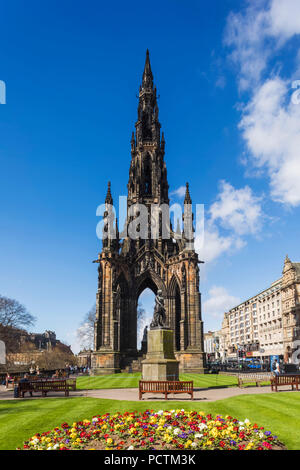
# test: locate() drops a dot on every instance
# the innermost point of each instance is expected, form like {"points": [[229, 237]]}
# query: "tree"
{"points": [[14, 315], [85, 332], [14, 318]]}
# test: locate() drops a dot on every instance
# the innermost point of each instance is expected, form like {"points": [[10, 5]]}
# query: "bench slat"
{"points": [[166, 387]]}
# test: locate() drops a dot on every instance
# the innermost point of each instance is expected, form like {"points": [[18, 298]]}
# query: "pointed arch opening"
{"points": [[175, 299], [145, 308], [177, 317], [148, 175]]}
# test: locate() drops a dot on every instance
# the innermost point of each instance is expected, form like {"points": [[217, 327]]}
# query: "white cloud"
{"points": [[215, 245], [256, 33], [238, 213], [270, 121], [284, 18], [179, 192], [245, 34], [237, 209], [270, 127], [219, 301]]}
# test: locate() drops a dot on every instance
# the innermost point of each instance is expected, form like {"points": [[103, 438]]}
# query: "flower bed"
{"points": [[167, 430]]}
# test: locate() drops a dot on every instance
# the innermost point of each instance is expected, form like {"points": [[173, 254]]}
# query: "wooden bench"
{"points": [[285, 379], [256, 378], [165, 387], [47, 385]]}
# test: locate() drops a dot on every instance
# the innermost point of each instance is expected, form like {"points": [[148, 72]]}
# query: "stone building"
{"points": [[290, 305], [212, 345], [267, 324], [127, 266]]}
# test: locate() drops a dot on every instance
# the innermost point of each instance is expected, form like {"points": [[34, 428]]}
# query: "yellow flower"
{"points": [[249, 446], [188, 444]]}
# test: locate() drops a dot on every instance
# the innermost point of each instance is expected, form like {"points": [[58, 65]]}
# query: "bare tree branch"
{"points": [[14, 315], [85, 332]]}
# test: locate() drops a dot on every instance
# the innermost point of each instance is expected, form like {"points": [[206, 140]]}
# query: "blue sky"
{"points": [[224, 72]]}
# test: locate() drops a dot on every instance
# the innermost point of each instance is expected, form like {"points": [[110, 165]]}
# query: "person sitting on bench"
{"points": [[25, 379]]}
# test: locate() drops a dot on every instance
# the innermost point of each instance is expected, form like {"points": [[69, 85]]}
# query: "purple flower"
{"points": [[267, 433]]}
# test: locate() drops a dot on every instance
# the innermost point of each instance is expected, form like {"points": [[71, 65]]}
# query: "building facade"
{"points": [[267, 324], [128, 265], [212, 341]]}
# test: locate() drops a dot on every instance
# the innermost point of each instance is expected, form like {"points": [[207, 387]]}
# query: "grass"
{"points": [[132, 381], [19, 420]]}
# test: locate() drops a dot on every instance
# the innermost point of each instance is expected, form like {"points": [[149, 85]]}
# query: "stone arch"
{"points": [[151, 280], [172, 284], [121, 312]]}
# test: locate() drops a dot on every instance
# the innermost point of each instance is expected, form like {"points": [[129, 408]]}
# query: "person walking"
{"points": [[277, 368]]}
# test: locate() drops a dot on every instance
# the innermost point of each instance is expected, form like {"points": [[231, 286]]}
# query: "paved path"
{"points": [[131, 394]]}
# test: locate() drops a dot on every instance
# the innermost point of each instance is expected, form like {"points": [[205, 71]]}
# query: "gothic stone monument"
{"points": [[160, 362], [127, 266]]}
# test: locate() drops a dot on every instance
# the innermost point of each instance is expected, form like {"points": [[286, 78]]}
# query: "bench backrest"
{"points": [[255, 376], [51, 384], [286, 379], [165, 386]]}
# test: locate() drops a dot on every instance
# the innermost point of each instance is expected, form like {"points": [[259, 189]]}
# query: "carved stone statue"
{"points": [[159, 316], [145, 333]]}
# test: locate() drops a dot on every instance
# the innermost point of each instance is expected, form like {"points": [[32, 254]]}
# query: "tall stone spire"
{"points": [[147, 125], [147, 174]]}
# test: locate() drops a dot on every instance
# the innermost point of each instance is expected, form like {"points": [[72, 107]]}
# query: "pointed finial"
{"points": [[108, 199], [147, 75], [287, 259], [187, 199]]}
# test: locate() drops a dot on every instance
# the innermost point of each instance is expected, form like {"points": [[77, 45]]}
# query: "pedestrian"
{"points": [[277, 368]]}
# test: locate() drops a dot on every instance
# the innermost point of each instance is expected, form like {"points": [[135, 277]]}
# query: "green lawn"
{"points": [[21, 419], [132, 381]]}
